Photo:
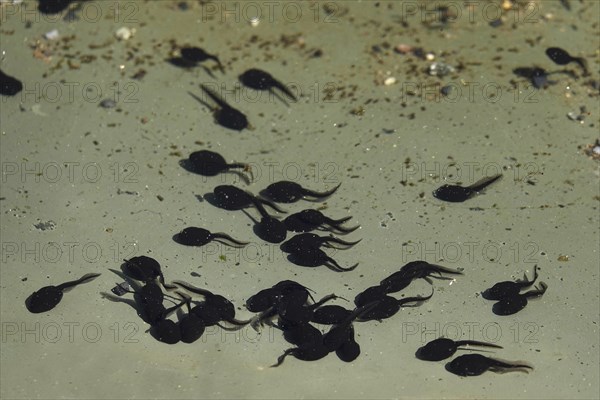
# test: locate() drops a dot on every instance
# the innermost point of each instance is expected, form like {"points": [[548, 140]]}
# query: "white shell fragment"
{"points": [[440, 69], [124, 33], [52, 35]]}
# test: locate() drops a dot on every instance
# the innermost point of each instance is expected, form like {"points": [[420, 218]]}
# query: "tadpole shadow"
{"points": [[211, 199], [181, 62], [118, 299]]}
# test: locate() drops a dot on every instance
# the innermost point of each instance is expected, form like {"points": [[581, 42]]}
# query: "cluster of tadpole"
{"points": [[508, 296], [467, 364], [225, 114], [539, 77], [304, 249], [143, 275], [289, 307]]}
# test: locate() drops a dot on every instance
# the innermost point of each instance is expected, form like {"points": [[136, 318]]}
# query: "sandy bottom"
{"points": [[85, 186]]}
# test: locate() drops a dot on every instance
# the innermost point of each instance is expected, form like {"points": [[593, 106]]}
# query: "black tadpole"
{"points": [[232, 198], [507, 289], [209, 163], [562, 57], [315, 257], [442, 348], [48, 297], [195, 236], [305, 240], [537, 76], [224, 114], [192, 56], [260, 80], [476, 364], [145, 269], [309, 220], [9, 86], [291, 192], [513, 304], [198, 55], [458, 194]]}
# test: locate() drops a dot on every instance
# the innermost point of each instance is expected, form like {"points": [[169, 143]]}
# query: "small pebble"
{"points": [[124, 33], [45, 226], [446, 90], [440, 69], [108, 103], [496, 23], [403, 48], [52, 35]]}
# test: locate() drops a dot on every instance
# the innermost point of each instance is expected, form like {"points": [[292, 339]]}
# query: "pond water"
{"points": [[388, 99]]}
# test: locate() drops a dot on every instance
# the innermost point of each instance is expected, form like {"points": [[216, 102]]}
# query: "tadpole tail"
{"points": [[535, 274], [282, 357], [161, 279], [320, 195], [337, 267], [271, 91], [83, 279], [238, 324], [257, 320], [476, 343], [225, 238], [417, 299], [270, 204], [341, 229], [246, 167], [442, 277], [360, 311], [193, 289], [335, 222], [237, 165], [285, 90], [439, 269], [182, 296], [324, 300], [482, 183], [205, 104], [508, 365], [169, 310], [261, 209], [216, 59], [537, 292], [213, 96], [341, 242], [583, 64]]}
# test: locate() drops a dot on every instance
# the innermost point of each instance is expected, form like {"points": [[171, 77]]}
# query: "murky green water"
{"points": [[84, 187]]}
